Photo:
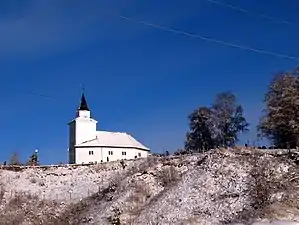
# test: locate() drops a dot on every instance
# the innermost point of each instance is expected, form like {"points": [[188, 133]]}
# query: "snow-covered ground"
{"points": [[219, 187]]}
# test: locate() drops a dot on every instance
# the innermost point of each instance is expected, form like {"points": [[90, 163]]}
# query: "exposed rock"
{"points": [[225, 186]]}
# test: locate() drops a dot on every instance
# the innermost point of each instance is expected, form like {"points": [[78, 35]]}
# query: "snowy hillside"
{"points": [[219, 187]]}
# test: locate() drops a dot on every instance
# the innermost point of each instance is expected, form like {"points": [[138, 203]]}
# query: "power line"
{"points": [[40, 95], [208, 39], [249, 12]]}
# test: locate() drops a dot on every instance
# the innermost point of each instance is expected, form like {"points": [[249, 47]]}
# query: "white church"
{"points": [[87, 145]]}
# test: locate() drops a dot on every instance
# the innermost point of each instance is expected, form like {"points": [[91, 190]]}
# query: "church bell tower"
{"points": [[82, 128]]}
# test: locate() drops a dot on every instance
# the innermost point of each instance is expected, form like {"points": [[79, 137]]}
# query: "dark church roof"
{"points": [[83, 104]]}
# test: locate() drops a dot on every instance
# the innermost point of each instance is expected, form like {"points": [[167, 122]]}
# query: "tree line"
{"points": [[15, 160], [220, 124]]}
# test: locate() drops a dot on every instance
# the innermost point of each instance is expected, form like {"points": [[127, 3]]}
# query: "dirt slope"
{"points": [[219, 187]]}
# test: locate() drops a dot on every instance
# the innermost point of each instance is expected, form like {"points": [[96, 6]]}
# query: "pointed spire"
{"points": [[83, 104]]}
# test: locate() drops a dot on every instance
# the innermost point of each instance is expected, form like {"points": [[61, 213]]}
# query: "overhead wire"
{"points": [[40, 95], [49, 96], [209, 39], [249, 12]]}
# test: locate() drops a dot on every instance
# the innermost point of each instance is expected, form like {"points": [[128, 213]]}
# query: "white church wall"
{"points": [[85, 130], [83, 113], [88, 155], [114, 154], [105, 154], [142, 153]]}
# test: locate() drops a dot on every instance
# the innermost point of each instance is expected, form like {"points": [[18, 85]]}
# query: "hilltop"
{"points": [[218, 187]]}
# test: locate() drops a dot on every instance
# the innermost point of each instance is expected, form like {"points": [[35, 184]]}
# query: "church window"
{"points": [[90, 152], [139, 154], [124, 153], [110, 152]]}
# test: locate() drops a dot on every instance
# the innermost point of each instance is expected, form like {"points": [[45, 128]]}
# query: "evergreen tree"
{"points": [[33, 160]]}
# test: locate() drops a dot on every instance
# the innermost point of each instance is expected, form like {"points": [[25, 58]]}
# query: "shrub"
{"points": [[33, 180], [2, 192], [168, 175]]}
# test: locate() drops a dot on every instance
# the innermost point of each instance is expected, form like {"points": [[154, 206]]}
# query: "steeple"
{"points": [[82, 128], [83, 104]]}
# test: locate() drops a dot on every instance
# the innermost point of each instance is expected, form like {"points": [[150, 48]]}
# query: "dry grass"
{"points": [[168, 176], [100, 167], [137, 199], [76, 212], [24, 208], [33, 180], [2, 192], [270, 193], [264, 187]]}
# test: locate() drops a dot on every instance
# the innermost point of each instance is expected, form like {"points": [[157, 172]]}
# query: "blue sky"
{"points": [[137, 79]]}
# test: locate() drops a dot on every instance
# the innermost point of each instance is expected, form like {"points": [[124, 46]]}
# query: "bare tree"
{"points": [[15, 159], [228, 119], [199, 137], [218, 125], [280, 120]]}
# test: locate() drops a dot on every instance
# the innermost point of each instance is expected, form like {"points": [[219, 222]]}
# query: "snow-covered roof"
{"points": [[113, 139]]}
